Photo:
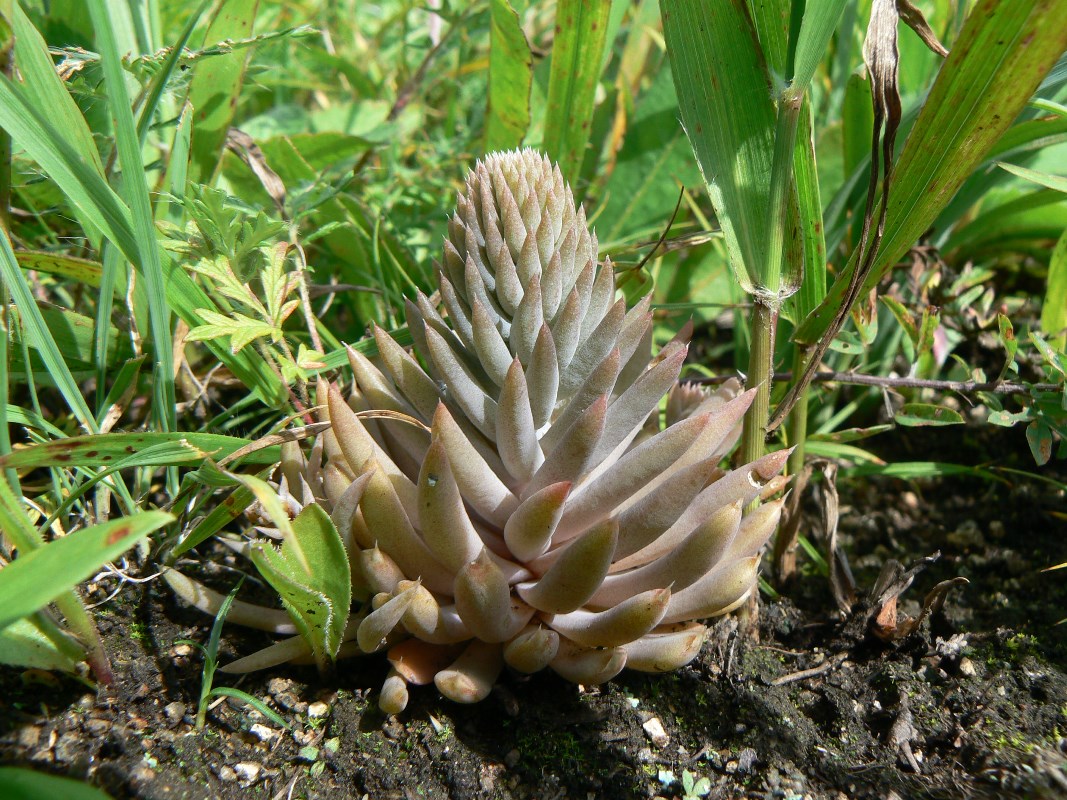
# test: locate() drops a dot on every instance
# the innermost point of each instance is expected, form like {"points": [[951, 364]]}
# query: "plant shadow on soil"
{"points": [[973, 705]]}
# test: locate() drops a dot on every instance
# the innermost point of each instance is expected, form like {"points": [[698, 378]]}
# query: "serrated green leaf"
{"points": [[312, 574], [917, 415], [240, 328]]}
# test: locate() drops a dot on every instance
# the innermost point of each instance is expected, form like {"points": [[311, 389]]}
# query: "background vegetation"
{"points": [[202, 203]]}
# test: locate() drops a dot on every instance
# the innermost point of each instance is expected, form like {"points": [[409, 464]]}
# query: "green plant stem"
{"points": [[798, 416], [778, 221], [784, 556], [81, 625], [762, 324]]}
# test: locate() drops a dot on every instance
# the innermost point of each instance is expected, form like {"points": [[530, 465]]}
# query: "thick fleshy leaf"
{"points": [[667, 650], [529, 530], [532, 649], [443, 519], [485, 604], [575, 573], [470, 677], [716, 593], [681, 566], [586, 665], [624, 622]]}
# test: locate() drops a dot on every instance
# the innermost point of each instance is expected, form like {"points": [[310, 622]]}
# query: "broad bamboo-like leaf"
{"points": [[577, 61], [312, 575], [215, 86], [510, 78], [725, 98], [1054, 307], [1000, 57]]}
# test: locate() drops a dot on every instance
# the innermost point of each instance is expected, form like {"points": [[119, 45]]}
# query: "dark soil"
{"points": [[974, 704]]}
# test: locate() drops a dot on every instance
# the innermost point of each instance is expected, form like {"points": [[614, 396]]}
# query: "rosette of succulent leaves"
{"points": [[510, 493]]}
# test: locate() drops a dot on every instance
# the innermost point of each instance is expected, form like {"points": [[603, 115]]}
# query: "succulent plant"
{"points": [[507, 493]]}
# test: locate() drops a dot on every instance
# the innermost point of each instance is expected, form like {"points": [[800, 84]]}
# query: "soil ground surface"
{"points": [[972, 704]]}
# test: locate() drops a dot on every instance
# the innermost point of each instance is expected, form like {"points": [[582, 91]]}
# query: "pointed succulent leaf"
{"points": [[575, 573], [624, 622], [532, 649], [381, 621], [485, 603], [443, 519], [470, 677], [665, 651], [587, 665]]}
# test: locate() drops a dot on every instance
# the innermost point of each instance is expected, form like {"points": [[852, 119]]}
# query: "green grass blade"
{"points": [[37, 578], [994, 67], [40, 337], [809, 208], [105, 449], [135, 189], [81, 270], [84, 188], [162, 79], [820, 21], [1057, 182], [725, 101], [1054, 309], [510, 78], [215, 87], [43, 86], [577, 60]]}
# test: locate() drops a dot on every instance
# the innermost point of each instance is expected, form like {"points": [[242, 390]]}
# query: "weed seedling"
{"points": [[211, 652]]}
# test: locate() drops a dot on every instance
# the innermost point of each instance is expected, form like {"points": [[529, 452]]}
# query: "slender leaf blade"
{"points": [[725, 99], [37, 578], [999, 59], [510, 78], [1054, 309], [577, 60]]}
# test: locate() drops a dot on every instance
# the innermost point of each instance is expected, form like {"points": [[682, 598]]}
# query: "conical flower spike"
{"points": [[522, 499]]}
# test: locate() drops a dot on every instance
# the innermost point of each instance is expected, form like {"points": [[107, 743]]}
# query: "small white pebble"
{"points": [[263, 733], [318, 710], [247, 771], [654, 730], [227, 774], [967, 667]]}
